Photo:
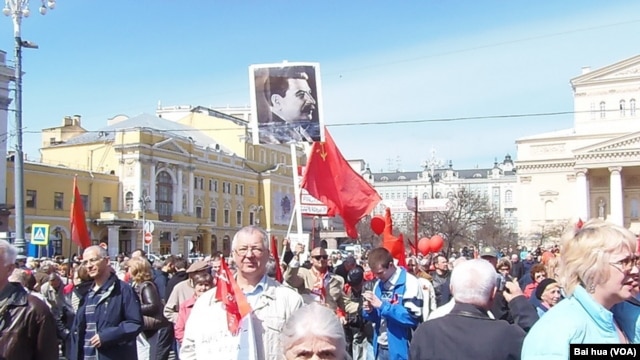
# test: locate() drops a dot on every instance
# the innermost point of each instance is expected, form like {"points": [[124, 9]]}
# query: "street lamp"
{"points": [[432, 164], [18, 9], [144, 200]]}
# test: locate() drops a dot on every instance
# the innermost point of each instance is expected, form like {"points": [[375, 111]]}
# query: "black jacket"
{"points": [[175, 279], [519, 311], [466, 333]]}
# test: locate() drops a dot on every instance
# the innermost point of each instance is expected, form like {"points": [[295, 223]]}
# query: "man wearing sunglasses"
{"points": [[318, 283]]}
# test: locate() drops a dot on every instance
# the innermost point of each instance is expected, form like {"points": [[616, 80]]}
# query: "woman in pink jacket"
{"points": [[202, 283]]}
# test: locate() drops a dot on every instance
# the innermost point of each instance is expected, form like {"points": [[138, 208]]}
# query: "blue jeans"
{"points": [[383, 353]]}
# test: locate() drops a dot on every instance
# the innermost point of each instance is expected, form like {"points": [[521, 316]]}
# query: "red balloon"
{"points": [[436, 243], [377, 224], [424, 246]]}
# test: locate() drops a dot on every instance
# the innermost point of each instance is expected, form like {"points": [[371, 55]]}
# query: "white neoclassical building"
{"points": [[590, 170]]}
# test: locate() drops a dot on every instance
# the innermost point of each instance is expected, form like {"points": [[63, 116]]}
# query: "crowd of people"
{"points": [[484, 304]]}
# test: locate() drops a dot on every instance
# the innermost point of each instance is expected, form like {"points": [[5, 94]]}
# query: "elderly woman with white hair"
{"points": [[598, 267], [313, 332]]}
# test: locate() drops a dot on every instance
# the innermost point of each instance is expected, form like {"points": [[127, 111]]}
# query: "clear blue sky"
{"points": [[381, 61]]}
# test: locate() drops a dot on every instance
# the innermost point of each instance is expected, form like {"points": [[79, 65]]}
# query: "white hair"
{"points": [[317, 321], [102, 252], [9, 252], [473, 282], [249, 230]]}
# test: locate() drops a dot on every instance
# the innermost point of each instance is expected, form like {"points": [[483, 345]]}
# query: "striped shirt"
{"points": [[90, 352]]}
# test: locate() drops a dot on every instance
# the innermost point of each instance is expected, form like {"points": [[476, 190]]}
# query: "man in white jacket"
{"points": [[206, 333]]}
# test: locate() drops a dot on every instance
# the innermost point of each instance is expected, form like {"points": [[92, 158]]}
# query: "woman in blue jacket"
{"points": [[597, 272]]}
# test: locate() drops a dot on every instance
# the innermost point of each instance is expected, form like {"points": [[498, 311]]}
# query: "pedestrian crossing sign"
{"points": [[40, 234]]}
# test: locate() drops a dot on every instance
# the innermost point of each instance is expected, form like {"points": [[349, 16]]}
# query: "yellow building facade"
{"points": [[195, 179]]}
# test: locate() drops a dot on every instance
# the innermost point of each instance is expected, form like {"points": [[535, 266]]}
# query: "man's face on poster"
{"points": [[298, 103]]}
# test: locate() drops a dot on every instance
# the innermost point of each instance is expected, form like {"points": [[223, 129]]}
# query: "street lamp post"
{"points": [[432, 164], [144, 200], [18, 9]]}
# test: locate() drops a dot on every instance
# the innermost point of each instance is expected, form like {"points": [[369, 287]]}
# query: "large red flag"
{"points": [[330, 179], [77, 222], [274, 253], [229, 293]]}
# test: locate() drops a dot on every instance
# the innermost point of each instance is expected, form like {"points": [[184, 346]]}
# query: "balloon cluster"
{"points": [[430, 245]]}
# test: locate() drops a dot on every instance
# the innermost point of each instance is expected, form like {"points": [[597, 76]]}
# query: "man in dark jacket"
{"points": [[27, 327], [473, 284], [180, 265], [109, 317]]}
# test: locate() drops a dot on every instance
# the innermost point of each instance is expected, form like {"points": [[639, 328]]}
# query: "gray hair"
{"points": [[101, 251], [250, 230], [9, 252], [473, 282], [325, 325]]}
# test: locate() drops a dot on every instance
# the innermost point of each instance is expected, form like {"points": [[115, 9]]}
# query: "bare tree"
{"points": [[468, 213], [549, 232], [366, 234]]}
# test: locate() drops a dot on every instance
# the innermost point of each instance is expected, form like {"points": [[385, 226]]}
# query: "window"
{"points": [[239, 189], [106, 204], [195, 183], [164, 195], [438, 195], [508, 196], [622, 108], [214, 243], [425, 196], [226, 216], [252, 218], [226, 187], [238, 218], [632, 107], [128, 201], [592, 108], [634, 208], [213, 185], [603, 111], [31, 199], [58, 200], [213, 215], [199, 212], [226, 245], [85, 202]]}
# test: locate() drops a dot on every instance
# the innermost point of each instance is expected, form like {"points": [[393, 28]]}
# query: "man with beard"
{"points": [[292, 105]]}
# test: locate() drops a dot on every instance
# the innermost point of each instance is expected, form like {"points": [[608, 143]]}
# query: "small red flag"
{"points": [[77, 222], [274, 253], [229, 293], [329, 178], [394, 244]]}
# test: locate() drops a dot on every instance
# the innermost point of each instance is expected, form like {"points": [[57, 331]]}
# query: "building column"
{"points": [[191, 187], [616, 214], [113, 245], [179, 208], [582, 188], [152, 186]]}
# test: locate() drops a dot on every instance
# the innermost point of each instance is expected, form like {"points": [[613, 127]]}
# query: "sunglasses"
{"points": [[320, 257]]}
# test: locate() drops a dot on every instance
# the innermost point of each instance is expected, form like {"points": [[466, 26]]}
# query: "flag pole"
{"points": [[297, 191], [415, 228]]}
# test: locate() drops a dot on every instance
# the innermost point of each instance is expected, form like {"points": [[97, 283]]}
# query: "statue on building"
{"points": [[601, 206]]}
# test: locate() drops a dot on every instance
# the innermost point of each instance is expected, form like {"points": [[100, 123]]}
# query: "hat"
{"points": [[355, 276], [198, 266], [21, 258], [542, 286], [488, 251]]}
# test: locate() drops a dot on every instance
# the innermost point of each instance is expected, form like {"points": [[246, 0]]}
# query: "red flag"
{"points": [[274, 253], [330, 179], [579, 224], [394, 244], [229, 293], [77, 222]]}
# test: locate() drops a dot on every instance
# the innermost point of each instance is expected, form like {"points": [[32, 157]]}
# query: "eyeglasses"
{"points": [[627, 263], [93, 261], [255, 251], [541, 276], [320, 257]]}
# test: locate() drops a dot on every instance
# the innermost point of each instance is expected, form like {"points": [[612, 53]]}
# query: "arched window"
{"points": [[226, 245], [549, 210], [623, 108], [603, 111], [128, 201], [425, 196], [164, 195], [214, 243], [438, 195], [508, 196]]}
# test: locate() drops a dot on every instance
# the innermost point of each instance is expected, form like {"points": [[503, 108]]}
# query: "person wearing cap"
{"points": [[549, 294], [511, 304], [358, 332], [207, 335], [184, 290], [468, 332]]}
